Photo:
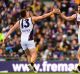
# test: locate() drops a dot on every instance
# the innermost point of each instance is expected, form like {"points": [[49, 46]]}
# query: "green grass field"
{"points": [[37, 73]]}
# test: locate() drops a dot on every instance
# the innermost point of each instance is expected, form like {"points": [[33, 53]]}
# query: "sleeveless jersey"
{"points": [[78, 18], [26, 28], [78, 23]]}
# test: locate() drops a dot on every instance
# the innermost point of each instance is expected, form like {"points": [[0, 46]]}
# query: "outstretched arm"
{"points": [[68, 18], [36, 18], [12, 29]]}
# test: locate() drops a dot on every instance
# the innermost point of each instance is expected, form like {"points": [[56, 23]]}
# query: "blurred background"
{"points": [[56, 39]]}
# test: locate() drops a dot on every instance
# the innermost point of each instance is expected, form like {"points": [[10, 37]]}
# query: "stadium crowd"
{"points": [[56, 39]]}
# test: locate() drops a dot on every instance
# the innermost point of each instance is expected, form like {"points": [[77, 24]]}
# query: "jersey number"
{"points": [[25, 25]]}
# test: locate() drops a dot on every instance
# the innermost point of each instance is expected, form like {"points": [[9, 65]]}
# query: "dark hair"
{"points": [[23, 13]]}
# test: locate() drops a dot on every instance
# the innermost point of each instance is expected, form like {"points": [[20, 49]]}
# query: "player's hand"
{"points": [[56, 10]]}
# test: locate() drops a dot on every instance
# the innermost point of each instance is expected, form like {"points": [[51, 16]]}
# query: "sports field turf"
{"points": [[37, 73]]}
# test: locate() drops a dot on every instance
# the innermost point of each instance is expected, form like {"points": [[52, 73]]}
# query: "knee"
{"points": [[34, 52], [27, 52]]}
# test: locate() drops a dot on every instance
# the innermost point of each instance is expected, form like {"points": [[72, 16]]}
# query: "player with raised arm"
{"points": [[77, 18], [26, 27]]}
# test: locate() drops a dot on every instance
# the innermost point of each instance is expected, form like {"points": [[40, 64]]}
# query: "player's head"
{"points": [[25, 13], [28, 13], [79, 8]]}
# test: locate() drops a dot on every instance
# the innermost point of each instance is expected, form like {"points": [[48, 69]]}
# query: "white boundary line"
{"points": [[5, 71]]}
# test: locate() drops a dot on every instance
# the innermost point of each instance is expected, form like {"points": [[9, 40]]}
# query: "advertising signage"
{"points": [[46, 66]]}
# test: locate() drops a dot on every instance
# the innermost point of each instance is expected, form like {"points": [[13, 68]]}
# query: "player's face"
{"points": [[79, 9], [27, 13]]}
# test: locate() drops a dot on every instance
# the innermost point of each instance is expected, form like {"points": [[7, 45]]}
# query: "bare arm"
{"points": [[12, 29], [68, 18], [36, 18]]}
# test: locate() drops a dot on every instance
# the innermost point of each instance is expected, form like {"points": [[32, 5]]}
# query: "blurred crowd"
{"points": [[56, 39]]}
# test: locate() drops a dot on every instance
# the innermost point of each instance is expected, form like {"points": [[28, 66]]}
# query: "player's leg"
{"points": [[28, 47], [27, 55], [78, 67], [33, 53], [78, 53], [78, 57]]}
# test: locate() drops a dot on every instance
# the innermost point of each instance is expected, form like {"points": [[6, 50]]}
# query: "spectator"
{"points": [[55, 38]]}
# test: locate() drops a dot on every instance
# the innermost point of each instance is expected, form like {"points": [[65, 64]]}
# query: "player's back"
{"points": [[26, 28], [78, 18]]}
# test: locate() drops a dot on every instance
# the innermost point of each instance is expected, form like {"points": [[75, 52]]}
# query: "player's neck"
{"points": [[24, 18]]}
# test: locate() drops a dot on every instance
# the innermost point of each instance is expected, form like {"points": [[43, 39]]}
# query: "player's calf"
{"points": [[33, 53]]}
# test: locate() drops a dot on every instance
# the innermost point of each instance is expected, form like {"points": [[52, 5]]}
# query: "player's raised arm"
{"points": [[68, 18], [12, 29], [36, 18]]}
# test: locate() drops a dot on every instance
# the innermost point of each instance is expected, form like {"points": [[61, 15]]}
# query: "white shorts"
{"points": [[28, 44]]}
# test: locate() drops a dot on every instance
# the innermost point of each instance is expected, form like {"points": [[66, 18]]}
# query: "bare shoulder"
{"points": [[33, 18], [16, 24]]}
